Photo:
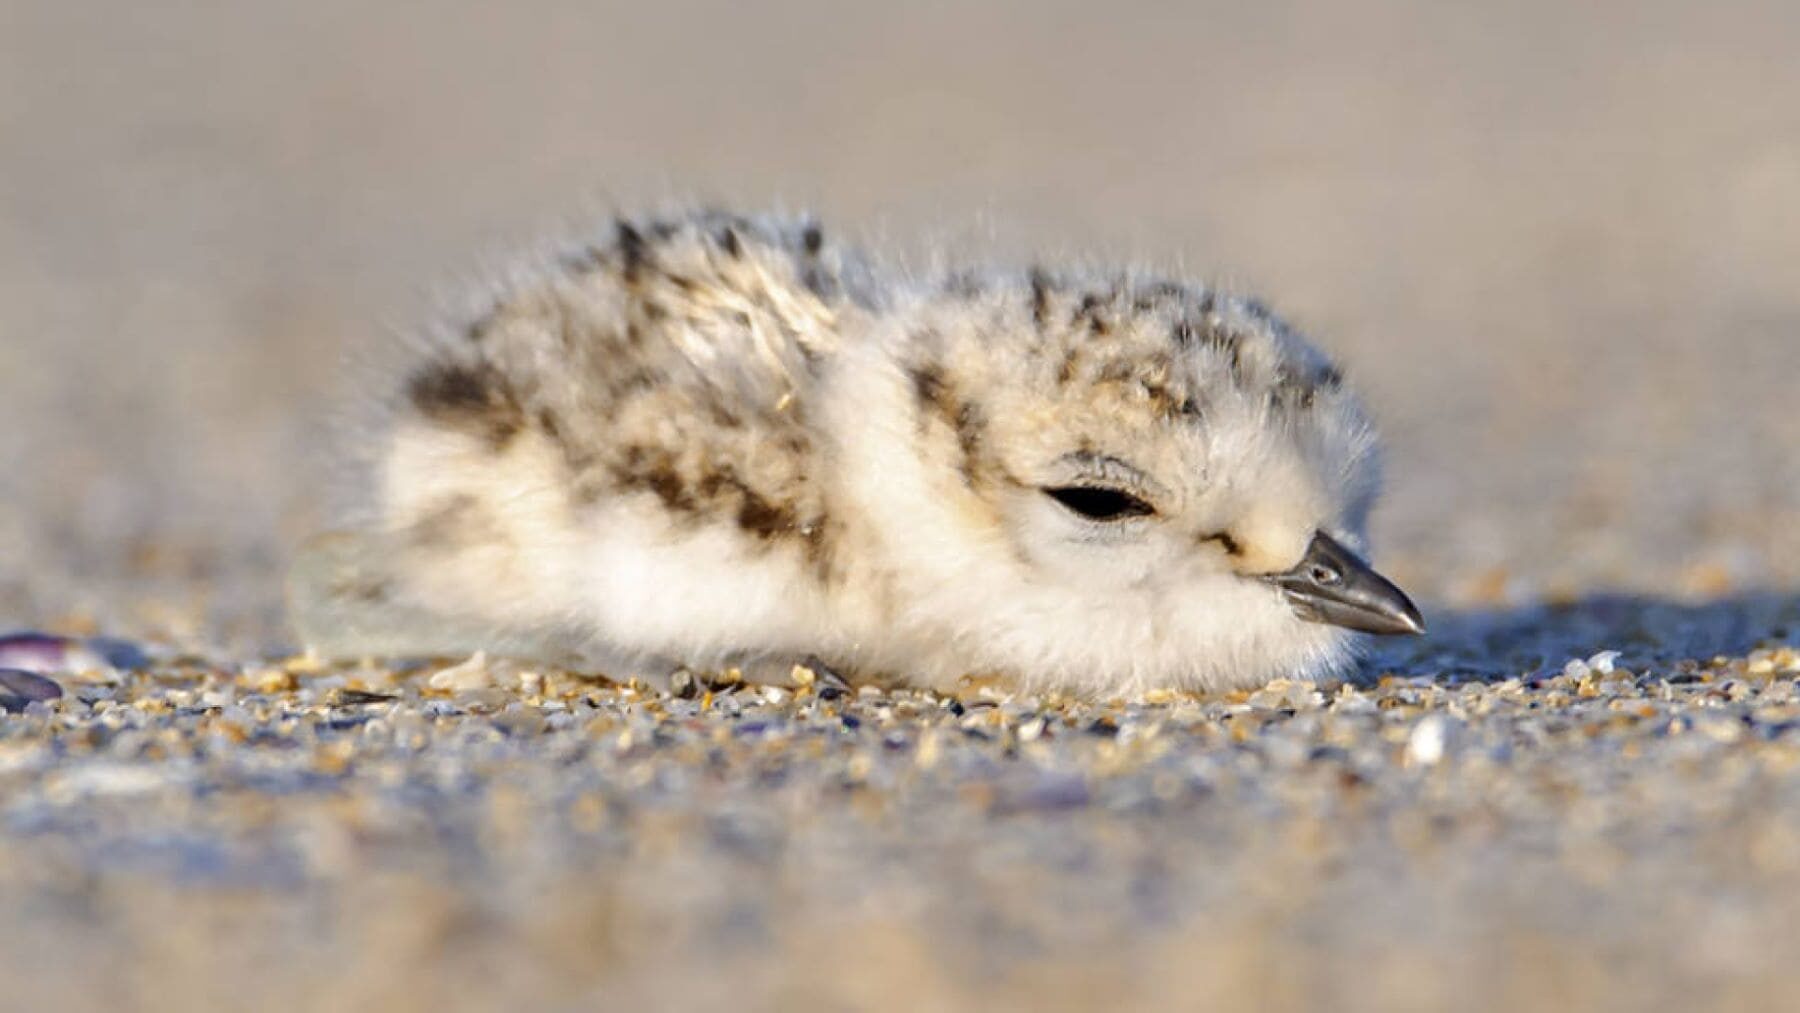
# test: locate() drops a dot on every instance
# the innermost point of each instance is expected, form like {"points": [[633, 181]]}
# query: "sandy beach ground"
{"points": [[1557, 246]]}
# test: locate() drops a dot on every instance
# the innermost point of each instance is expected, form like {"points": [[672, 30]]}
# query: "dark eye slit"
{"points": [[1099, 503]]}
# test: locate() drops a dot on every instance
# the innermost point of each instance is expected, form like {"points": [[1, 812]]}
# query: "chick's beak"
{"points": [[1331, 585]]}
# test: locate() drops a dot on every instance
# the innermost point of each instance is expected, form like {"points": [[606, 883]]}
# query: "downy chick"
{"points": [[720, 441]]}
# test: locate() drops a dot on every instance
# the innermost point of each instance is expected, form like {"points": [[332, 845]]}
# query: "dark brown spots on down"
{"points": [[1259, 311], [662, 479], [1090, 311], [1224, 342], [729, 242], [754, 513], [1221, 338], [473, 397], [1168, 400], [1040, 296], [818, 280], [930, 392], [715, 492], [971, 429], [934, 399], [552, 427], [634, 252], [1288, 397], [1302, 389], [1292, 392], [762, 518]]}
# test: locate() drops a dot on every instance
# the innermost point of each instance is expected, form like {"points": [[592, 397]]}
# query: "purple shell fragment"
{"points": [[34, 652], [45, 653]]}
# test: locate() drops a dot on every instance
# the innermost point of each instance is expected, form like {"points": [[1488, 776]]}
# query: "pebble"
{"points": [[359, 698], [20, 688], [468, 676], [1430, 739], [829, 685]]}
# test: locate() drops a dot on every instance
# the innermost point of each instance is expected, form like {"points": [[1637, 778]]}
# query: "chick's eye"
{"points": [[1098, 503]]}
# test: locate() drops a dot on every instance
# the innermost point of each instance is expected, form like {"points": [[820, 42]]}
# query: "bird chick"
{"points": [[718, 441]]}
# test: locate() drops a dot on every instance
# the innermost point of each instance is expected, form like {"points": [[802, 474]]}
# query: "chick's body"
{"points": [[715, 441]]}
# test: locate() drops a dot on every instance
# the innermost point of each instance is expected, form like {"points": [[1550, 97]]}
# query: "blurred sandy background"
{"points": [[1557, 244]]}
